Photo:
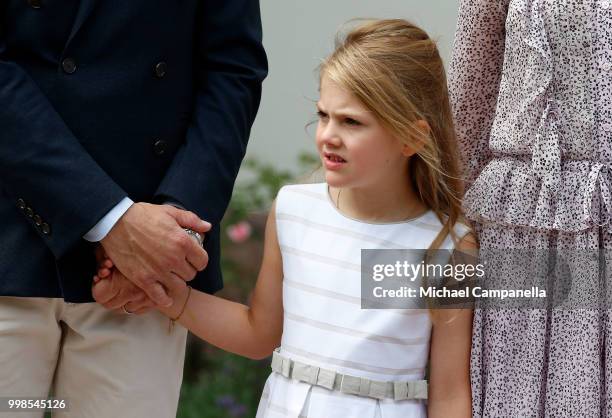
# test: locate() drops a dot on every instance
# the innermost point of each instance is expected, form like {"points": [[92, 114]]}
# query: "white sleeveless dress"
{"points": [[324, 324]]}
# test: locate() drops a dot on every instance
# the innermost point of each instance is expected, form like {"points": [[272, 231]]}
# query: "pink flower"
{"points": [[239, 232]]}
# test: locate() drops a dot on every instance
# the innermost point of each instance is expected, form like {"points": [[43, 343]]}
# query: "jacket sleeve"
{"points": [[43, 167], [231, 65], [474, 78]]}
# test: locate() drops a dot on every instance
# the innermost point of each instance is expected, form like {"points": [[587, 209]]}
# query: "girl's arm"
{"points": [[253, 331], [449, 358]]}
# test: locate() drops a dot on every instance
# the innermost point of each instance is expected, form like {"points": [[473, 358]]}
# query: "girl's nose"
{"points": [[329, 135]]}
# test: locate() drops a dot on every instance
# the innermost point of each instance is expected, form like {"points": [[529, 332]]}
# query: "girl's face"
{"points": [[355, 149]]}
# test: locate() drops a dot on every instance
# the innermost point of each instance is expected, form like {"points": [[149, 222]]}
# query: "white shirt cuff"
{"points": [[103, 227]]}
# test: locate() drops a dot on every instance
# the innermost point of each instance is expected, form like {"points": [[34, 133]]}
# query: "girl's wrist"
{"points": [[174, 311], [183, 305]]}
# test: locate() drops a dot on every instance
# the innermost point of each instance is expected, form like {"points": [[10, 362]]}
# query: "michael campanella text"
{"points": [[444, 292]]}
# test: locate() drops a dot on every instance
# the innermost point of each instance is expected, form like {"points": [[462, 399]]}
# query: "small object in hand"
{"points": [[195, 235], [126, 311]]}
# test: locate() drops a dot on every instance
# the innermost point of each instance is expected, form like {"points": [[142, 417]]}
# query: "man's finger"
{"points": [[103, 291], [172, 283], [175, 285], [126, 297], [118, 301], [197, 256], [140, 306], [158, 295], [190, 220], [186, 271], [141, 311]]}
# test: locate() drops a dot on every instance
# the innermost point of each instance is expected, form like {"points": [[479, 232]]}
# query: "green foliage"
{"points": [[256, 193], [264, 181], [229, 387]]}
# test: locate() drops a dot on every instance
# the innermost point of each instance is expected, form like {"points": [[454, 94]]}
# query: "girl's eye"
{"points": [[351, 121], [322, 115]]}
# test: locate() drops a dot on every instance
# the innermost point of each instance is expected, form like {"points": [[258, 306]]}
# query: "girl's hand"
{"points": [[105, 264], [114, 291]]}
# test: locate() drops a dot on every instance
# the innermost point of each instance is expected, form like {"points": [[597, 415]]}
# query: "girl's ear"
{"points": [[408, 151], [422, 126]]}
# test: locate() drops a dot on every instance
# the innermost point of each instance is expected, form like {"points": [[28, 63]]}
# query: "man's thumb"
{"points": [[187, 219]]}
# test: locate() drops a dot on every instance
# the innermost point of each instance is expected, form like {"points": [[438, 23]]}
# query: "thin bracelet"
{"points": [[184, 306]]}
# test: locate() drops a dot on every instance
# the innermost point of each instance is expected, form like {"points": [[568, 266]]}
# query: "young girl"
{"points": [[386, 139]]}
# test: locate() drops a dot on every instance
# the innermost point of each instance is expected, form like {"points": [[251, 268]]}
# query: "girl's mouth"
{"points": [[334, 157], [333, 161]]}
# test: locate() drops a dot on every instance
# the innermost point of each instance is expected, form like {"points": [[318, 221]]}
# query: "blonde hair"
{"points": [[395, 70]]}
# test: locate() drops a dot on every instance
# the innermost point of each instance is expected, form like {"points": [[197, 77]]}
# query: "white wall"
{"points": [[297, 35]]}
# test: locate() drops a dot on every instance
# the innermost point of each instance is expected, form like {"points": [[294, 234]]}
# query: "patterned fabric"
{"points": [[324, 324], [531, 88]]}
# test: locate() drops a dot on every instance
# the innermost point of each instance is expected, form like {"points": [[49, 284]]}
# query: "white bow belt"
{"points": [[329, 379]]}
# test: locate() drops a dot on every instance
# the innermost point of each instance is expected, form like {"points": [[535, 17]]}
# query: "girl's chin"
{"points": [[334, 179]]}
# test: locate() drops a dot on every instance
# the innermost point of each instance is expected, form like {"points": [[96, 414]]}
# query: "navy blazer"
{"points": [[102, 99]]}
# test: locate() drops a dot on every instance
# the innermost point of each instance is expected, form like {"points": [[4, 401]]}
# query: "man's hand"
{"points": [[116, 291], [150, 248], [113, 290]]}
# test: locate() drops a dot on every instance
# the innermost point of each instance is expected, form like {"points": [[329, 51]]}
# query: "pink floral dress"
{"points": [[531, 89]]}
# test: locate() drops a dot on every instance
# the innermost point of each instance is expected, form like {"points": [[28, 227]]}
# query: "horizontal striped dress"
{"points": [[324, 324]]}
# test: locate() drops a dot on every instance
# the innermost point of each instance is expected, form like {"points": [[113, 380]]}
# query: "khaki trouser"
{"points": [[103, 363]]}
